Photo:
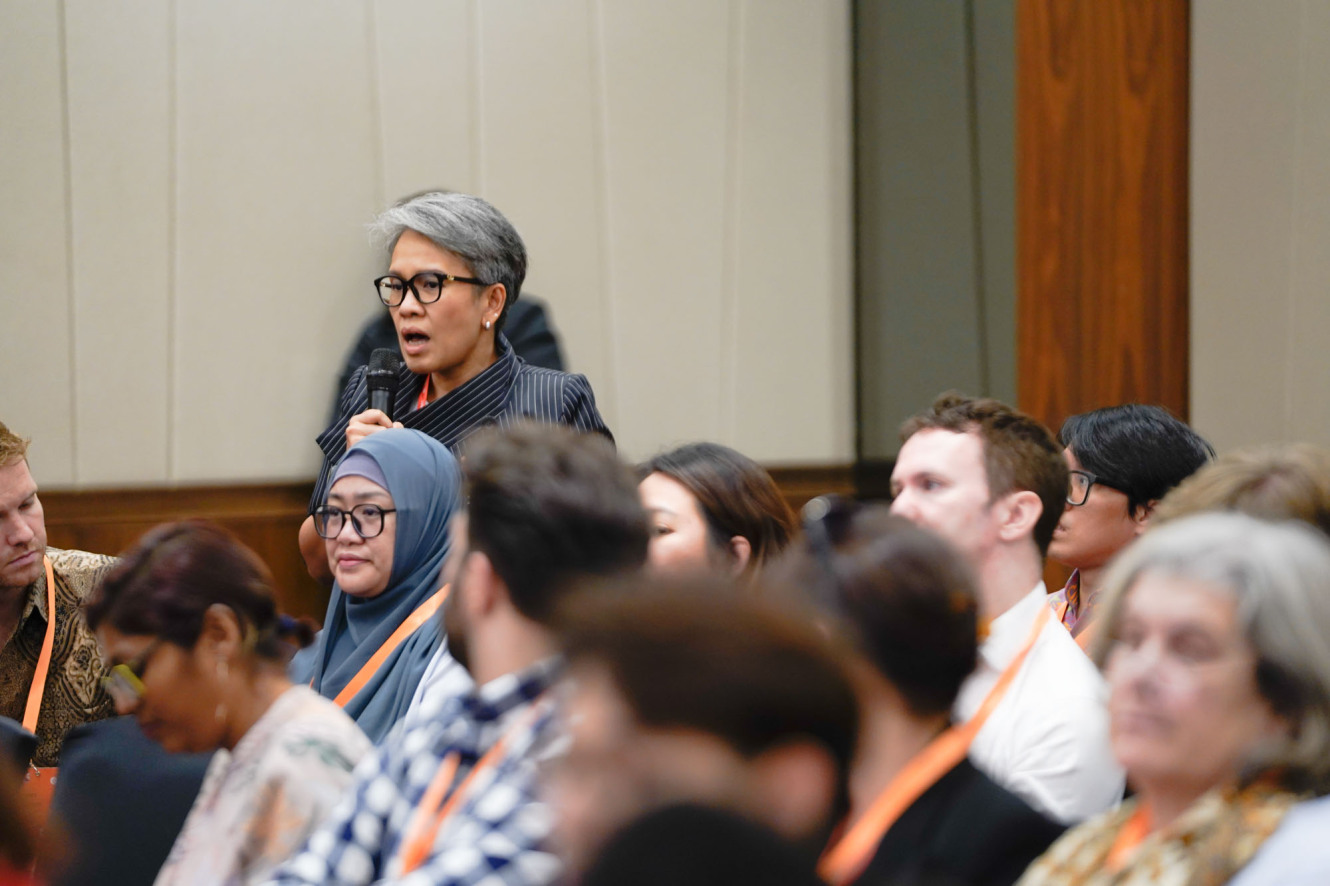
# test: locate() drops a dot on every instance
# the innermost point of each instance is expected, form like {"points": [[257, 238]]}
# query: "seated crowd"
{"points": [[542, 665]]}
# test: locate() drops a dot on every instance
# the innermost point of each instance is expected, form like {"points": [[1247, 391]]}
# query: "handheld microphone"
{"points": [[381, 379]]}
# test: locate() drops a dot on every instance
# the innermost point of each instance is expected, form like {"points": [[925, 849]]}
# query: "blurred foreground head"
{"points": [[1288, 482], [1216, 645], [546, 508], [679, 692], [899, 592]]}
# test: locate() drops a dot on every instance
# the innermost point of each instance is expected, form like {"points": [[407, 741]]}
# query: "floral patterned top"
{"points": [[260, 801], [1206, 846]]}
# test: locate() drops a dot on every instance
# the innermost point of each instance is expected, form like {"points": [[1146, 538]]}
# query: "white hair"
{"points": [[1279, 574]]}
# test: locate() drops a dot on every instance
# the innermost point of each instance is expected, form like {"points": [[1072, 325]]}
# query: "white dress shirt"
{"points": [[1047, 740], [1297, 853]]}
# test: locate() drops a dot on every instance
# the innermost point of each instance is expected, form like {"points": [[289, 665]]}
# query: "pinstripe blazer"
{"points": [[509, 390]]}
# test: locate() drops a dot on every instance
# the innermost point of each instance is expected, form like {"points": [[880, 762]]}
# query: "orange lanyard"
{"points": [[1062, 608], [422, 614], [423, 400], [38, 687], [1132, 833], [845, 861], [433, 811]]}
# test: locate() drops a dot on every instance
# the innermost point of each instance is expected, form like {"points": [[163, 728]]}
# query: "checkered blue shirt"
{"points": [[495, 836]]}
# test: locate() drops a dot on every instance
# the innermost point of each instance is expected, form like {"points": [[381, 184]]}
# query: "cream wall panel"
{"points": [[679, 171], [791, 353], [119, 85], [1258, 282], [540, 122], [1309, 326], [425, 52], [36, 398], [666, 93], [277, 171]]}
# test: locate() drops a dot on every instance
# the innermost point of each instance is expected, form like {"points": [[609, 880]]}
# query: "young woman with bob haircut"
{"points": [[712, 509]]}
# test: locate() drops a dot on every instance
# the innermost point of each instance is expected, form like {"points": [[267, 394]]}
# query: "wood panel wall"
{"points": [[1102, 204], [267, 518]]}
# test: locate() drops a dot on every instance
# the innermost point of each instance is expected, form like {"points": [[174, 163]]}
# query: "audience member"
{"points": [[456, 268], [526, 327], [385, 526], [120, 802], [1123, 460], [452, 800], [1284, 482], [41, 590], [713, 510], [920, 812], [993, 482], [684, 693], [1216, 643], [18, 833], [188, 622], [699, 846]]}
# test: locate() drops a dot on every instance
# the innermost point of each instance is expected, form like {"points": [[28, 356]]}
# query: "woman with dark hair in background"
{"points": [[920, 812], [713, 509], [188, 625], [1123, 459]]}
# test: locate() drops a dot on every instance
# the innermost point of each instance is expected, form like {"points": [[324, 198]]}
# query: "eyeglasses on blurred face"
{"points": [[124, 682]]}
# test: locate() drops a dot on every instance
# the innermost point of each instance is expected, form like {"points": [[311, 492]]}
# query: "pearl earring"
{"points": [[487, 324]]}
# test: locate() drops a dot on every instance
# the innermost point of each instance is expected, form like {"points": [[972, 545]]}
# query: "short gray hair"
{"points": [[1279, 574], [466, 226]]}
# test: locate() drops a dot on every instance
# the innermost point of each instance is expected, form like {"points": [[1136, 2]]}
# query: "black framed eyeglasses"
{"points": [[124, 682], [427, 287], [366, 520], [1080, 482]]}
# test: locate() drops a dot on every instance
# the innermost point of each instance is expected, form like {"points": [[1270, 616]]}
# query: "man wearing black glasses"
{"points": [[1123, 459]]}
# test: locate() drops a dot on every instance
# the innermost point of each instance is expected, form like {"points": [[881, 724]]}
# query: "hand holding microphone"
{"points": [[381, 379]]}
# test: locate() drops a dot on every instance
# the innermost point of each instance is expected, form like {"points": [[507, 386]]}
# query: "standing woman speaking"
{"points": [[456, 266]]}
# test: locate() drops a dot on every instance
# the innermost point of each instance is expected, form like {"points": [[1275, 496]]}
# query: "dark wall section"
{"points": [[935, 208]]}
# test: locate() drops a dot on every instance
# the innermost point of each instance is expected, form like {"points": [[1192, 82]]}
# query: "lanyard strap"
{"points": [[417, 618], [1132, 833], [432, 810], [423, 400], [38, 688], [845, 861]]}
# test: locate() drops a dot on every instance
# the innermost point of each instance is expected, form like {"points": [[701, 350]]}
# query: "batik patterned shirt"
{"points": [[74, 693]]}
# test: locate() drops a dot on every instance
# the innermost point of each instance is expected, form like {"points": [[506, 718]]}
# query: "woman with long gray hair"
{"points": [[456, 266], [1216, 645]]}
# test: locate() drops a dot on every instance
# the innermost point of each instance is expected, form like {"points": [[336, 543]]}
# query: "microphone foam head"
{"points": [[385, 359]]}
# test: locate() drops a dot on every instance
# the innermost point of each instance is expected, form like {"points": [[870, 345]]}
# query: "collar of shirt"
{"points": [[482, 393], [36, 601], [1009, 630], [1071, 592], [484, 708]]}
